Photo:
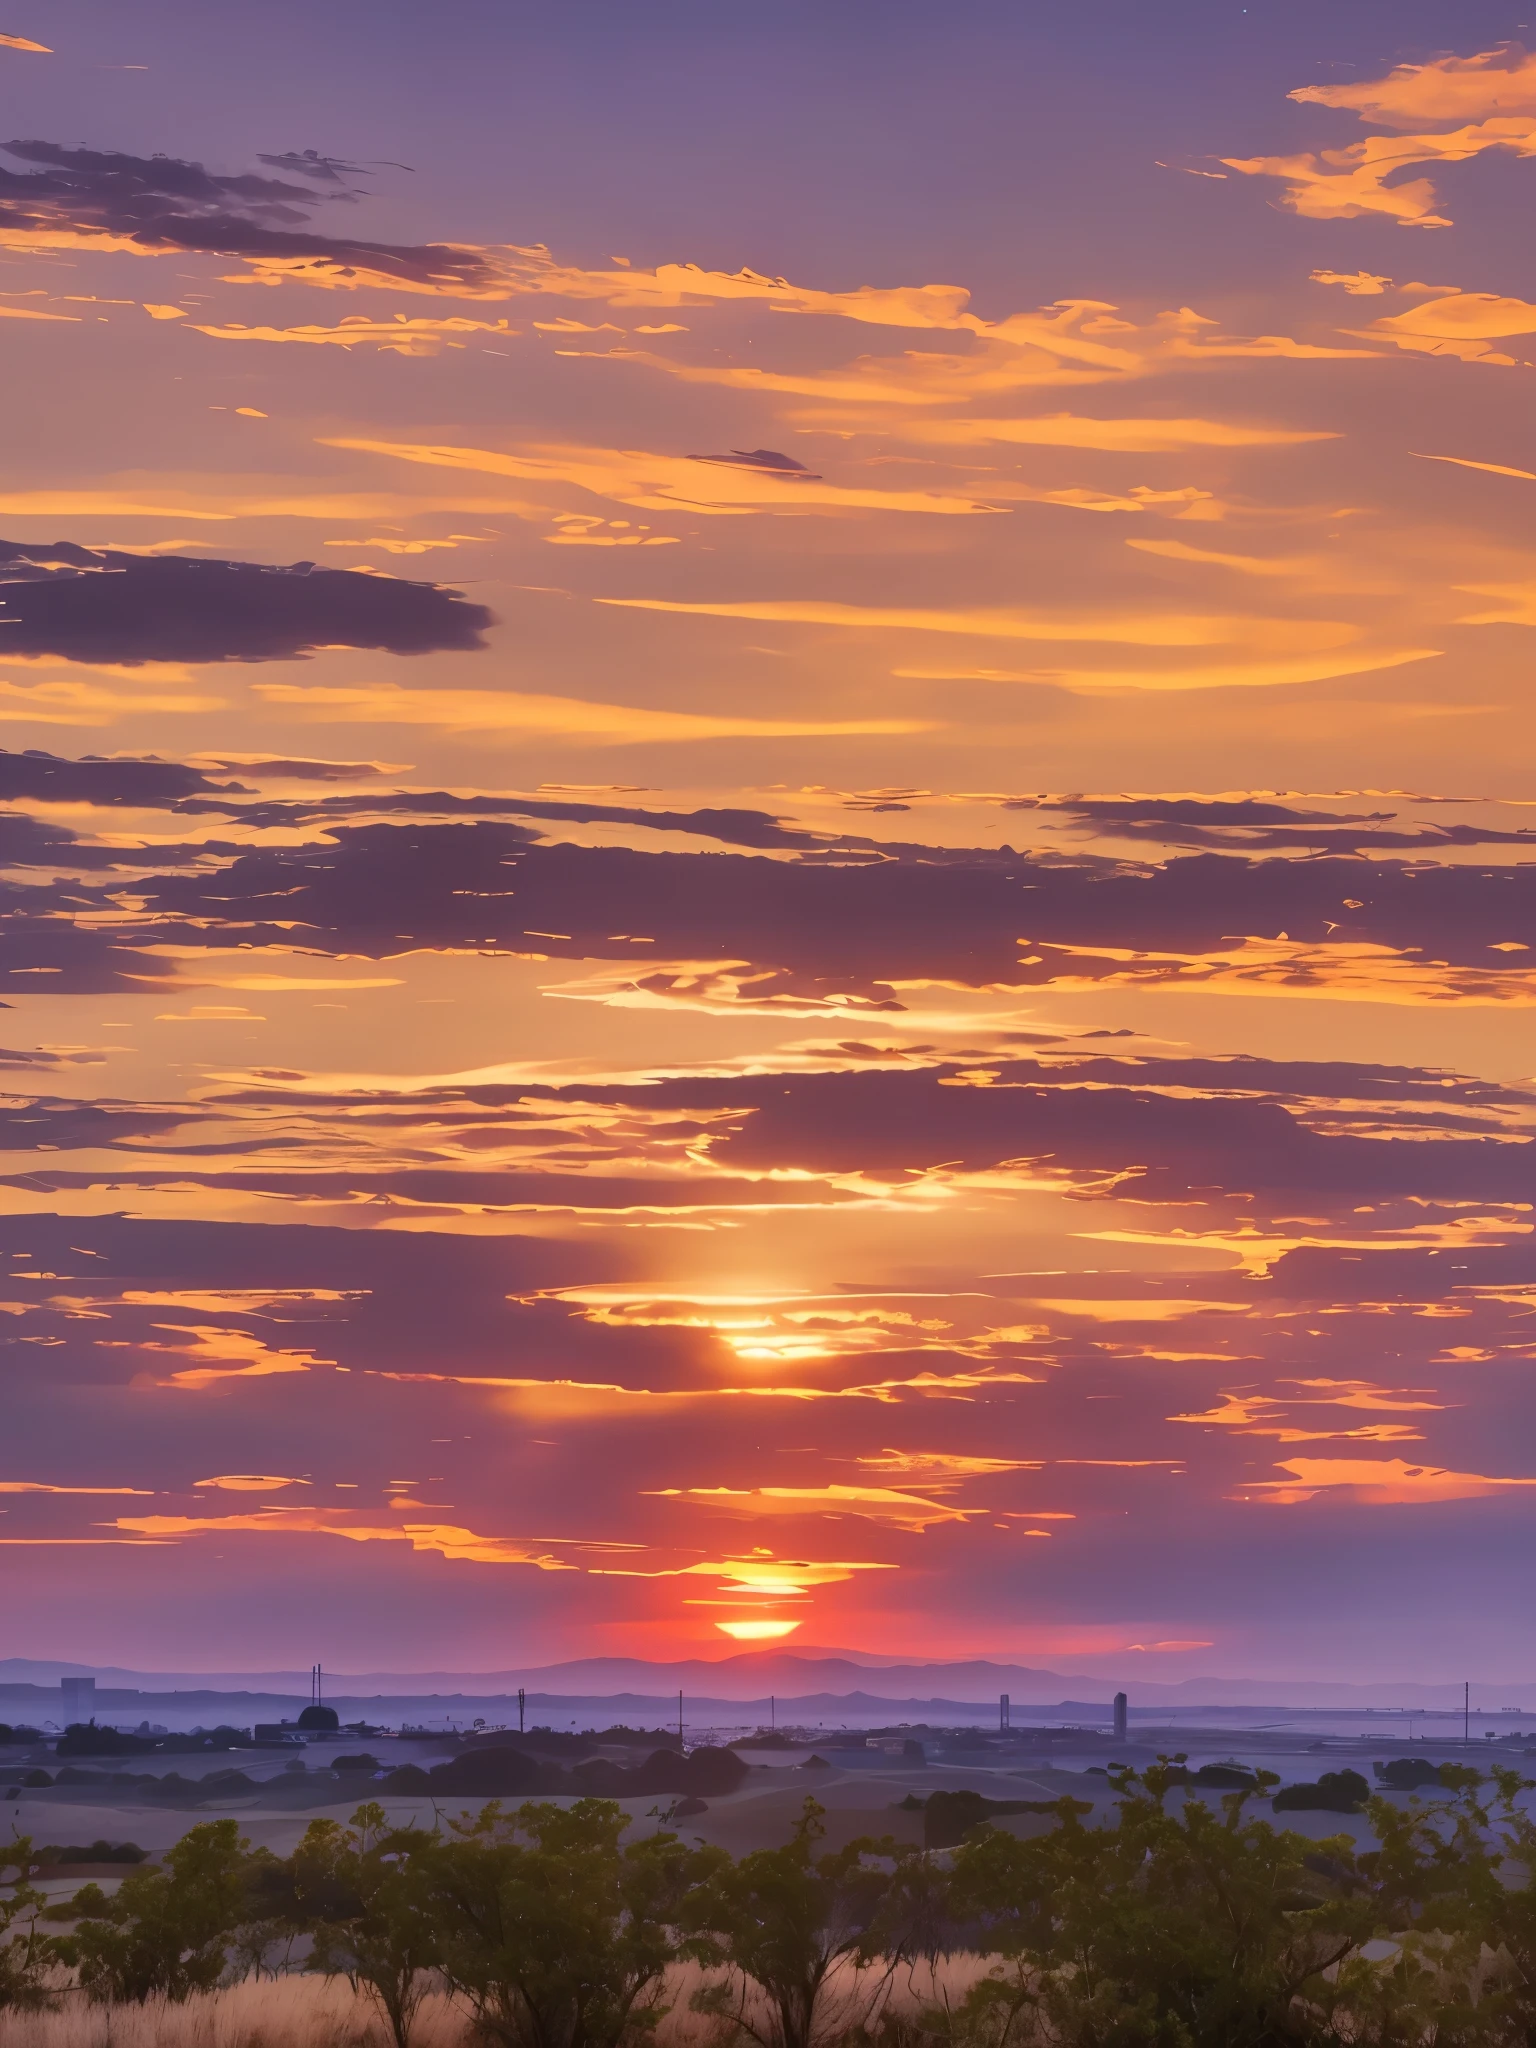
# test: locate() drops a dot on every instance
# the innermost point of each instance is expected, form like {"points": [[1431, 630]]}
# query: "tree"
{"points": [[25, 1955], [790, 1921], [555, 1934], [365, 1895], [1200, 1929], [167, 1930]]}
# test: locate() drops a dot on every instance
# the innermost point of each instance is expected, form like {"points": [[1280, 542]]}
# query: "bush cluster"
{"points": [[1188, 1923]]}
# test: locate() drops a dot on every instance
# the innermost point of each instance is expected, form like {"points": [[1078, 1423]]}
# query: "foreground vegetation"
{"points": [[1188, 1923]]}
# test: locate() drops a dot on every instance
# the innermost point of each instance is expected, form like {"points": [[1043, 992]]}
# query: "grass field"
{"points": [[310, 2011]]}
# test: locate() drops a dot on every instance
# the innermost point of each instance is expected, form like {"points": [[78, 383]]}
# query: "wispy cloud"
{"points": [[512, 712]]}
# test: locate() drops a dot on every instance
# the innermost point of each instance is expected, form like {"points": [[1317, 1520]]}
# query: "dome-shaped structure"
{"points": [[320, 1720]]}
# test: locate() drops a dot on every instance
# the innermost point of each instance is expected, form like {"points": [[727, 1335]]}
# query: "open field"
{"points": [[309, 2011]]}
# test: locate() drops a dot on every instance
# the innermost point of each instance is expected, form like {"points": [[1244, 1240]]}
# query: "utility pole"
{"points": [[679, 1715], [1466, 1714], [772, 1722], [522, 1702]]}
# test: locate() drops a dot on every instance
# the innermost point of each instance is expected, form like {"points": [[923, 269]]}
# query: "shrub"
{"points": [[25, 1955], [1335, 1792], [555, 1933], [167, 1929]]}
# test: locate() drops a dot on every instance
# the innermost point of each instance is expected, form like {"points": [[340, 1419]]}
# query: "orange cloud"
{"points": [[1360, 284], [1518, 606], [764, 1574], [1256, 1415], [225, 1355], [945, 1465], [571, 717], [86, 704], [462, 1546], [1375, 1482], [249, 1482], [1138, 629], [1194, 1643], [394, 546], [1498, 81], [1459, 324], [1244, 565], [1231, 675], [669, 483], [30, 313], [22, 43], [869, 1503], [37, 1486], [1122, 436], [1493, 468], [1344, 184], [401, 336]]}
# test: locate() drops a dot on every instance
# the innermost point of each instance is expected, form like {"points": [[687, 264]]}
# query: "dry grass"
{"points": [[283, 2012], [307, 2011]]}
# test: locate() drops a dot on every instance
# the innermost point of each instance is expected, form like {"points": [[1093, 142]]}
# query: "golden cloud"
{"points": [[669, 483], [462, 1546], [764, 1573], [65, 703], [249, 1482], [869, 1503], [1498, 81], [221, 1354], [37, 1486], [1136, 629], [1233, 675], [1527, 476], [569, 717], [402, 336], [1344, 184], [1516, 607], [1459, 324], [1360, 284], [1244, 565], [945, 1465], [1121, 436], [1375, 1482]]}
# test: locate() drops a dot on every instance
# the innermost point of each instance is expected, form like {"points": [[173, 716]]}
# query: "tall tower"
{"points": [[1121, 1706], [78, 1697]]}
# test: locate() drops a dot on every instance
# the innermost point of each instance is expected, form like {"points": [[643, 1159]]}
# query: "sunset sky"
{"points": [[768, 833]]}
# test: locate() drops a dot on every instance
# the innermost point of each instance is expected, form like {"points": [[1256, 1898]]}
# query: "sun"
{"points": [[757, 1631]]}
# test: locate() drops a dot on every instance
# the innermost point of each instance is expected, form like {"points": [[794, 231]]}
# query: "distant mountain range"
{"points": [[806, 1677]]}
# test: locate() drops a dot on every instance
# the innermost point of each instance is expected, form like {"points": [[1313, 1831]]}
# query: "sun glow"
{"points": [[757, 1631]]}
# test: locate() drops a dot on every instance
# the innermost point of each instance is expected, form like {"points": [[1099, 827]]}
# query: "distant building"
{"points": [[79, 1699], [1121, 1716], [317, 1718]]}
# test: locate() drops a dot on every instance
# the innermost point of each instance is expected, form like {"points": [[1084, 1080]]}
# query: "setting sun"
{"points": [[757, 1631]]}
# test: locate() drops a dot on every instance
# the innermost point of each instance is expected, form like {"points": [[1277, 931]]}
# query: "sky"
{"points": [[971, 570]]}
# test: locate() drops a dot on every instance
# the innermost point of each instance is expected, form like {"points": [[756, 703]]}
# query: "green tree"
{"points": [[1453, 1888], [1194, 1929], [798, 1925], [555, 1933], [25, 1955], [365, 1895], [167, 1930]]}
